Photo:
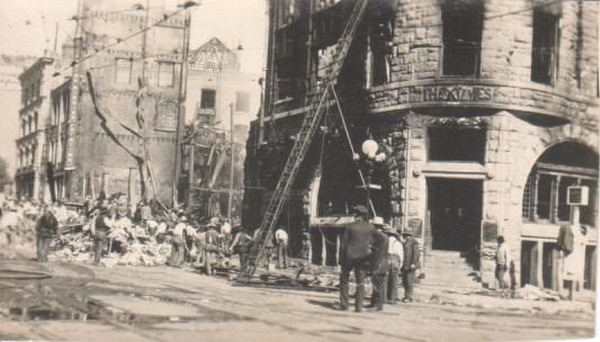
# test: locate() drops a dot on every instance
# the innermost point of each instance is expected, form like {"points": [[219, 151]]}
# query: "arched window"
{"points": [[35, 121], [560, 166], [33, 149], [29, 124], [26, 157]]}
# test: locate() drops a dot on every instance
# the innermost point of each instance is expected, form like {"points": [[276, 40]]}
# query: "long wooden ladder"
{"points": [[317, 105]]}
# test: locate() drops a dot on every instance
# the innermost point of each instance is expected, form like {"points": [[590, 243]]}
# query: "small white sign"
{"points": [[578, 195]]}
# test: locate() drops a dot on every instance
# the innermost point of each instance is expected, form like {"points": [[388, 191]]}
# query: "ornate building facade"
{"points": [[487, 111]]}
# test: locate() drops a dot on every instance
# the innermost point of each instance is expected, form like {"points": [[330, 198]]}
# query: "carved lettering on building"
{"points": [[457, 94]]}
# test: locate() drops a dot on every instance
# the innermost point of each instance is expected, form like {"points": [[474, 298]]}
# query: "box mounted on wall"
{"points": [[578, 195]]}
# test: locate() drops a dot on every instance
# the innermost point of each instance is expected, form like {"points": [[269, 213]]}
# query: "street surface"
{"points": [[87, 303]]}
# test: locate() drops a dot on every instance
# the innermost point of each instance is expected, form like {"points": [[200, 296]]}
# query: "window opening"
{"points": [[462, 39], [544, 58]]}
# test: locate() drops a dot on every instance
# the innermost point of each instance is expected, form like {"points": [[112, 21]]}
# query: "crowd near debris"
{"points": [[140, 235], [108, 232]]}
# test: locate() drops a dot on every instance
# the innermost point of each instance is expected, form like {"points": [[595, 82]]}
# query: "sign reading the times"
{"points": [[458, 93]]}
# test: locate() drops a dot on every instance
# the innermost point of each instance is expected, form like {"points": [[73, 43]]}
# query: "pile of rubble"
{"points": [[129, 244]]}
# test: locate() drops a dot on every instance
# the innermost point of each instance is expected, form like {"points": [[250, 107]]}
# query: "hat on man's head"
{"points": [[361, 209], [378, 221]]}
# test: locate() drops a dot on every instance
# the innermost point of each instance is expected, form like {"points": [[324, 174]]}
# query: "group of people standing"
{"points": [[374, 249]]}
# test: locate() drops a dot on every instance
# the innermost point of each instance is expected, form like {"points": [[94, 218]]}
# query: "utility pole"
{"points": [[231, 161], [141, 118], [182, 97], [76, 81]]}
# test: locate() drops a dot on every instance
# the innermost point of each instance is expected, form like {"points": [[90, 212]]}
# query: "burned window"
{"points": [[208, 99], [290, 60], [380, 35], [456, 144], [544, 57], [123, 70], [462, 27]]}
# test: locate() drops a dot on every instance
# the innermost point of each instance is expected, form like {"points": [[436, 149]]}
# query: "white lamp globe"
{"points": [[370, 147]]}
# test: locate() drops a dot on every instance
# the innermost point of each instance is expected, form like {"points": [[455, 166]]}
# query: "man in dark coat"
{"points": [[242, 245], [379, 264], [102, 227], [409, 265], [46, 229], [354, 256]]}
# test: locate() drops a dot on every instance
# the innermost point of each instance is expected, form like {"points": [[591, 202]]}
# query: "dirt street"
{"points": [[83, 302]]}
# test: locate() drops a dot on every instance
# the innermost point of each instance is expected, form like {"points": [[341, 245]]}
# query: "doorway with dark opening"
{"points": [[454, 207]]}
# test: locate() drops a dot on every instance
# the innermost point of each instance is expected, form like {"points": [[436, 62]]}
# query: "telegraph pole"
{"points": [[76, 81], [231, 161], [182, 97]]}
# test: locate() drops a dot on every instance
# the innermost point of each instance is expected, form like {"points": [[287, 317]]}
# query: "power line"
{"points": [[133, 9], [134, 34], [121, 40]]}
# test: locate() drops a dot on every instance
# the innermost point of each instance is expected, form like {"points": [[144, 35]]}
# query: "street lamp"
{"points": [[370, 158]]}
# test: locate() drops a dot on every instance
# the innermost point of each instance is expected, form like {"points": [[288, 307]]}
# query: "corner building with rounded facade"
{"points": [[487, 111]]}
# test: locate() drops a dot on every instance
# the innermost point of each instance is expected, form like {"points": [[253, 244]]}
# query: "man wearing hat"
{"points": [[46, 228], [410, 264], [211, 248], [102, 226], [177, 243], [395, 257], [354, 256], [242, 244], [379, 263]]}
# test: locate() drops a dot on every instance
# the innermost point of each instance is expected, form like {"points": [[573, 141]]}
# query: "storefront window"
{"points": [[456, 144]]}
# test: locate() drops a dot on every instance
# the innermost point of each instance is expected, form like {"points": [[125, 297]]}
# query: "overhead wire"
{"points": [[132, 35]]}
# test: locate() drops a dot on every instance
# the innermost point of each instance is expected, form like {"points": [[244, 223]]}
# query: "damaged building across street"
{"points": [[484, 113]]}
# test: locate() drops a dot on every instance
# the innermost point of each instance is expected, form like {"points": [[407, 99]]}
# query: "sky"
{"points": [[30, 27]]}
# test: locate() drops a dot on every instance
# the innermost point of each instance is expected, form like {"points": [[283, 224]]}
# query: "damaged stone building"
{"points": [[36, 82], [486, 111], [134, 74]]}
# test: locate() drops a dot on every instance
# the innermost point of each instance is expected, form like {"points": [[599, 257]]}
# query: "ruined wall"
{"points": [[95, 151]]}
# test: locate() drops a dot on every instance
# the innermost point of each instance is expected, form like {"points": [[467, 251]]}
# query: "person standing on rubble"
{"points": [[211, 247], [177, 243], [102, 226], [281, 240], [46, 228], [354, 256], [410, 264], [189, 238], [241, 245]]}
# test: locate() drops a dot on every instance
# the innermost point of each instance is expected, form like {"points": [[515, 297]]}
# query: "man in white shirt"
{"points": [[502, 262], [177, 243], [281, 239], [395, 256]]}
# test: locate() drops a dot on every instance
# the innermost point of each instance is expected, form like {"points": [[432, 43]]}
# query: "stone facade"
{"points": [[496, 100], [36, 83], [95, 159]]}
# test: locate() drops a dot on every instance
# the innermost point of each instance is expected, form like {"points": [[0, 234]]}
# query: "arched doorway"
{"points": [[545, 206]]}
